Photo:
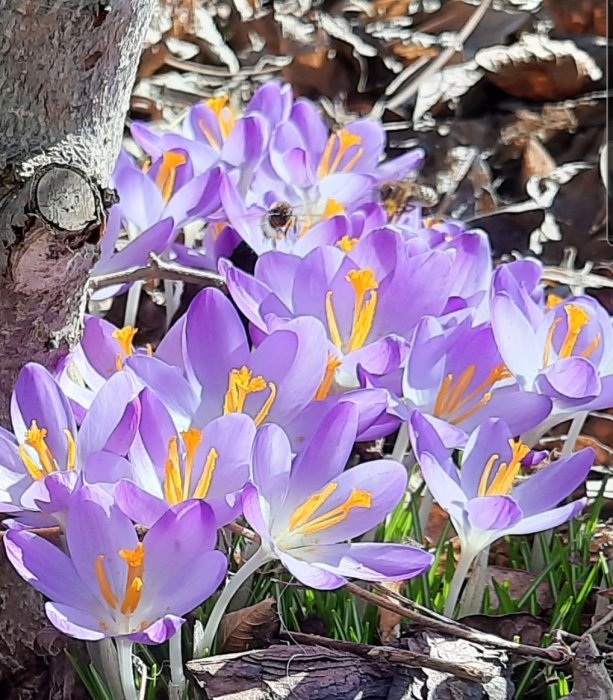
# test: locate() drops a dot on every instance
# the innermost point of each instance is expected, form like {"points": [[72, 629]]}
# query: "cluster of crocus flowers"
{"points": [[351, 326]]}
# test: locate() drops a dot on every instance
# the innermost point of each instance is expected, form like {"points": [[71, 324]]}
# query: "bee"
{"points": [[278, 221], [398, 196]]}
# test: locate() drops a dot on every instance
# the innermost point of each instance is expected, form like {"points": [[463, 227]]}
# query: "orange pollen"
{"points": [[301, 518], [36, 438], [577, 318], [104, 583], [333, 208], [135, 558], [502, 483], [191, 439], [326, 383], [342, 141], [452, 397], [125, 337], [347, 244], [167, 173], [241, 383]]}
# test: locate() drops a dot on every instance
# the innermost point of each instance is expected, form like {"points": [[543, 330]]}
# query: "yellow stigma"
{"points": [[364, 286], [577, 318], [363, 282], [453, 396], [242, 383], [347, 244], [324, 388], [340, 142], [125, 337], [35, 437], [301, 517], [191, 439], [502, 483], [553, 300], [167, 174], [177, 486], [333, 208], [135, 559], [226, 118]]}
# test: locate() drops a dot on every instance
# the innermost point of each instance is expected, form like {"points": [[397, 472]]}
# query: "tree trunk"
{"points": [[66, 73]]}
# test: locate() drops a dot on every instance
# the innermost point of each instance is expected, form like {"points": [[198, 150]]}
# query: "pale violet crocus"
{"points": [[170, 465], [108, 583], [46, 441], [307, 509], [484, 498], [369, 294]]}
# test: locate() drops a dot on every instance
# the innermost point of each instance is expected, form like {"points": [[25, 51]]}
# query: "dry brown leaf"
{"points": [[388, 623], [536, 161], [538, 68], [529, 628], [411, 52], [579, 16], [519, 581], [249, 628], [553, 119]]}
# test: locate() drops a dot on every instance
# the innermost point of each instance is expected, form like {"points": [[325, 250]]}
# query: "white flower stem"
{"points": [[459, 575], [177, 677], [573, 434], [246, 570], [538, 556], [126, 674], [402, 443], [425, 508]]}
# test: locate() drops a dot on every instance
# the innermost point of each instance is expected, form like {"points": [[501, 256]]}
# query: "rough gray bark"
{"points": [[66, 72]]}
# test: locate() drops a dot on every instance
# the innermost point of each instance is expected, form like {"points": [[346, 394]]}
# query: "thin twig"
{"points": [[443, 58], [159, 269], [576, 278], [554, 654], [243, 531], [476, 672]]}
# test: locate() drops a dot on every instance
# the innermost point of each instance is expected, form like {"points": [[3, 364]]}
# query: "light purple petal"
{"points": [[547, 520], [493, 512], [370, 561], [310, 575], [75, 622], [553, 483]]}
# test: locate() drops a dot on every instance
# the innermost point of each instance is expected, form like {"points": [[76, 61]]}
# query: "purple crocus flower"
{"points": [[170, 466], [306, 511], [273, 382], [483, 499], [46, 441], [456, 376], [369, 294], [153, 207], [564, 352], [110, 584]]}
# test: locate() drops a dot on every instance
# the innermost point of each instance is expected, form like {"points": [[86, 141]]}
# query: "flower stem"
{"points": [[538, 555], [246, 570], [459, 575], [126, 674], [402, 442], [177, 677], [573, 433]]}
